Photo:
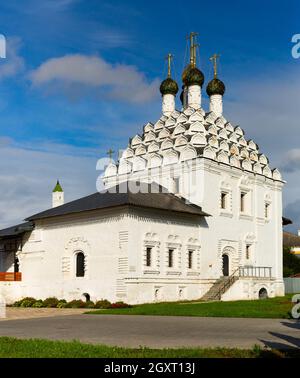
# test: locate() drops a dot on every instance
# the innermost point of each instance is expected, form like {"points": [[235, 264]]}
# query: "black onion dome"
{"points": [[169, 86], [186, 72], [194, 77], [215, 87]]}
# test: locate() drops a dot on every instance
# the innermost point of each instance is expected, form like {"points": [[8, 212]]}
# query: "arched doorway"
{"points": [[225, 260], [263, 294]]}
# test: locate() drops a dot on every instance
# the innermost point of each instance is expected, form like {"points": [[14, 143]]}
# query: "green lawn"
{"points": [[15, 348], [267, 308]]}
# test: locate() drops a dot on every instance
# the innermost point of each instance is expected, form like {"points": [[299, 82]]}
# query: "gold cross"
{"points": [[169, 59], [191, 37], [110, 153], [214, 59]]}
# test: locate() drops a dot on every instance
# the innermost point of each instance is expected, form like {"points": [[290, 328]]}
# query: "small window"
{"points": [[243, 202], [148, 256], [223, 200], [248, 250], [191, 258], [80, 262], [16, 265], [171, 258], [267, 210]]}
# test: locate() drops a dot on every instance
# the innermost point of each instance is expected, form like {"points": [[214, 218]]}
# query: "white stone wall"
{"points": [[114, 245], [168, 104], [216, 104], [229, 231]]}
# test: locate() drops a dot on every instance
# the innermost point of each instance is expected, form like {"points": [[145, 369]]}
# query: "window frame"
{"points": [[191, 254], [149, 256], [224, 200], [171, 258], [83, 271]]}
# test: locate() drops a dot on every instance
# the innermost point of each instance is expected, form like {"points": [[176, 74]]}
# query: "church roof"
{"points": [[189, 134], [16, 230], [159, 199]]}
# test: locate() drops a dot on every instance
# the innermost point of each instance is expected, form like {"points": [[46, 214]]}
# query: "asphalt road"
{"points": [[158, 331]]}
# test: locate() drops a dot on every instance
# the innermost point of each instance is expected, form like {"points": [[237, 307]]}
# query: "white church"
{"points": [[192, 210]]}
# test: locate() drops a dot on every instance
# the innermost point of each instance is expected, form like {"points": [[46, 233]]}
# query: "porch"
{"points": [[10, 276]]}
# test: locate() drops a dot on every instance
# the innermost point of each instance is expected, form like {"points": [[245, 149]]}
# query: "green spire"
{"points": [[58, 187]]}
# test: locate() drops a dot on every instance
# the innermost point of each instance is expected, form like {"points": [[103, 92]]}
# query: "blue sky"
{"points": [[56, 121]]}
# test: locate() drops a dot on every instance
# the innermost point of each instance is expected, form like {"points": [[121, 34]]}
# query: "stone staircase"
{"points": [[219, 288]]}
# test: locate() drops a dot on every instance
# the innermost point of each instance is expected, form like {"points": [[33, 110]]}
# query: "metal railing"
{"points": [[10, 276], [255, 271], [247, 272]]}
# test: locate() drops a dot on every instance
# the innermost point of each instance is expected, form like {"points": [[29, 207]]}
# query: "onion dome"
{"points": [[169, 86], [194, 77], [186, 72], [215, 87]]}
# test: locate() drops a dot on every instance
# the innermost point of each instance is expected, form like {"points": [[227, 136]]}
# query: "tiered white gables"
{"points": [[217, 234]]}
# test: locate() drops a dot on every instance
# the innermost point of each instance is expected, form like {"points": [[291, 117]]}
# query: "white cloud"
{"points": [[13, 63], [80, 72], [27, 178], [291, 161]]}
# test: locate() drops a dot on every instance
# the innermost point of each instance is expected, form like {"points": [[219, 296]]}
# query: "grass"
{"points": [[36, 348], [267, 308]]}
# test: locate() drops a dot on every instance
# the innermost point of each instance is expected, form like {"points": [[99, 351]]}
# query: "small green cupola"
{"points": [[58, 188]]}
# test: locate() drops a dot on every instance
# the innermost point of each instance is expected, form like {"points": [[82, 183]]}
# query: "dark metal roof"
{"points": [[16, 230], [157, 198], [286, 221]]}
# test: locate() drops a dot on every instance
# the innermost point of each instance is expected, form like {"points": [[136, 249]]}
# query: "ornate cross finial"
{"points": [[169, 59], [110, 153], [214, 59], [191, 37]]}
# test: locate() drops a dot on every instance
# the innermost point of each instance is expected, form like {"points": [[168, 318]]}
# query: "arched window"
{"points": [[80, 262]]}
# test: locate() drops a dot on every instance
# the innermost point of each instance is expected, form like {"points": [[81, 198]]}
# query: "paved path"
{"points": [[30, 313], [158, 332]]}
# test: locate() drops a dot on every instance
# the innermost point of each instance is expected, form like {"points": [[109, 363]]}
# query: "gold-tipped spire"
{"points": [[193, 46], [214, 59], [169, 59]]}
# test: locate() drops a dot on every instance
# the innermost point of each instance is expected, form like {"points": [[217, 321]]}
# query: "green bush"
{"points": [[62, 303], [120, 305], [291, 263], [103, 304], [17, 303], [76, 304], [90, 304], [51, 302], [27, 302], [38, 304]]}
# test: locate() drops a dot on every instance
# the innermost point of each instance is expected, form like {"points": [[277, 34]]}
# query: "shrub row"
{"points": [[62, 303]]}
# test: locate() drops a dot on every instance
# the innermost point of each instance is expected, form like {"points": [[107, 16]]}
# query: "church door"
{"points": [[225, 265]]}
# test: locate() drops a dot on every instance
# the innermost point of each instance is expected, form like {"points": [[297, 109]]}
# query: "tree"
{"points": [[291, 263]]}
